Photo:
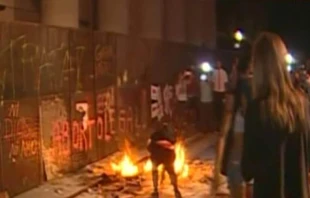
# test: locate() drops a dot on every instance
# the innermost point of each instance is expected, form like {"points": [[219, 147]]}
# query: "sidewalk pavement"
{"points": [[73, 184]]}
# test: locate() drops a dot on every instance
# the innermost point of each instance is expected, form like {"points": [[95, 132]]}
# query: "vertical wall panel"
{"points": [[54, 99], [105, 83], [20, 134], [152, 15], [60, 13], [113, 16], [175, 20]]}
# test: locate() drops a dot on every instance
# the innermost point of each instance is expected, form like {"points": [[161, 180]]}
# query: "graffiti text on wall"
{"points": [[161, 101], [21, 133], [48, 68]]}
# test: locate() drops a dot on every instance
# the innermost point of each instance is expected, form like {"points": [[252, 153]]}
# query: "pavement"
{"points": [[72, 185], [200, 155]]}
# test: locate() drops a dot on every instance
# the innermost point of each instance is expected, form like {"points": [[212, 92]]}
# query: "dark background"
{"points": [[290, 19]]}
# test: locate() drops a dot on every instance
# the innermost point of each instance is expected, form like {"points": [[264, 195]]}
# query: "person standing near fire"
{"points": [[192, 90], [205, 110], [219, 80], [181, 97], [161, 147]]}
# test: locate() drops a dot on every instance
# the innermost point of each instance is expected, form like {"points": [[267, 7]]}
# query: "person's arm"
{"points": [[249, 144], [166, 144]]}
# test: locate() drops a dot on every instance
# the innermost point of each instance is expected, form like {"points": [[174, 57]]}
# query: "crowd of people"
{"points": [[264, 144], [260, 112]]}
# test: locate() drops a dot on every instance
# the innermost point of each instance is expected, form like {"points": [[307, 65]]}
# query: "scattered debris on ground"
{"points": [[112, 186]]}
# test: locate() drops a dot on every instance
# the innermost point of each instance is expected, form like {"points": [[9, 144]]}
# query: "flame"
{"points": [[147, 166], [125, 167], [180, 165]]}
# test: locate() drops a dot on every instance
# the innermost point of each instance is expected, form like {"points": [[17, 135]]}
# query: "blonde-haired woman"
{"points": [[275, 146]]}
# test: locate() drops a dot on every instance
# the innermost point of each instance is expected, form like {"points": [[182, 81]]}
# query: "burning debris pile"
{"points": [[130, 179]]}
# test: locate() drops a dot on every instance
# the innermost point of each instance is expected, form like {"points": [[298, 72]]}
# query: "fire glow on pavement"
{"points": [[127, 168]]}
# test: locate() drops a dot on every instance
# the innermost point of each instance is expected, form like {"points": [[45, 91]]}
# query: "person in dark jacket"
{"points": [[276, 137], [161, 148]]}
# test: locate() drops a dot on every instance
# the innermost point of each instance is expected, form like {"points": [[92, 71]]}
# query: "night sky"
{"points": [[292, 22]]}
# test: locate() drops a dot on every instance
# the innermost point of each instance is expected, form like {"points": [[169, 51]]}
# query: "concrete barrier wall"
{"points": [[70, 97]]}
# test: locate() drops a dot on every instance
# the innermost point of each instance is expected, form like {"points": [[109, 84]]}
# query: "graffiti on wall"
{"points": [[161, 101], [52, 66], [62, 137], [104, 55], [21, 134], [40, 68], [55, 135], [106, 122]]}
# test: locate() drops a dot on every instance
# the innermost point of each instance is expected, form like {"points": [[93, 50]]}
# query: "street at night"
{"points": [[154, 98], [200, 155]]}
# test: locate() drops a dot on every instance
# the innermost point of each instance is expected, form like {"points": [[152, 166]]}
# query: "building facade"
{"points": [[74, 88], [184, 21]]}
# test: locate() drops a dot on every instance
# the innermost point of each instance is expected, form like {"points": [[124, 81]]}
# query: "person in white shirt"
{"points": [[205, 117], [181, 96], [219, 81], [180, 89]]}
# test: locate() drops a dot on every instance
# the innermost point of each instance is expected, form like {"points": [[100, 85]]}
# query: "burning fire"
{"points": [[125, 167], [180, 166]]}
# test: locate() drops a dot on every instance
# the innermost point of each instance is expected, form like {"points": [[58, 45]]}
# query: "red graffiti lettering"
{"points": [[90, 125], [103, 129], [8, 128], [126, 121], [24, 149], [17, 127], [61, 140], [80, 140], [105, 101], [29, 147]]}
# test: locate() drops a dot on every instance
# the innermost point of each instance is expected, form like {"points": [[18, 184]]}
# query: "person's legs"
{"points": [[216, 109], [155, 178], [221, 98], [168, 161], [174, 179], [236, 184]]}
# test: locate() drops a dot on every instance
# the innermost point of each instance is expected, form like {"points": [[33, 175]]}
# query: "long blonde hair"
{"points": [[281, 102]]}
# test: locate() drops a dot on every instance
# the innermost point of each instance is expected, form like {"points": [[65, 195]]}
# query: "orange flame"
{"points": [[180, 165], [125, 167]]}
